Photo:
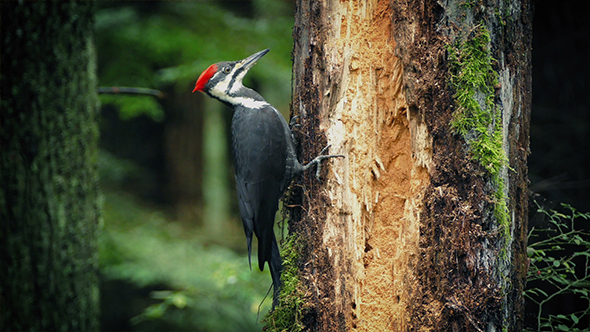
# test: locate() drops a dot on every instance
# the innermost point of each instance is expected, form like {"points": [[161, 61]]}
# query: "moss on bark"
{"points": [[288, 314], [477, 118]]}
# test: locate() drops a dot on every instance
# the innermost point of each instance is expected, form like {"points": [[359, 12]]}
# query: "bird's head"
{"points": [[223, 80]]}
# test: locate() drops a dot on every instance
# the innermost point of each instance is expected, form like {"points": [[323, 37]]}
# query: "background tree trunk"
{"points": [[184, 154], [406, 233], [48, 183]]}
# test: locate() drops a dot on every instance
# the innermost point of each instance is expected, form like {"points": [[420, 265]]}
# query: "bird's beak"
{"points": [[250, 61]]}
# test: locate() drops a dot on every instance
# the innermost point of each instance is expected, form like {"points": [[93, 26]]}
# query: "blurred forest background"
{"points": [[172, 249]]}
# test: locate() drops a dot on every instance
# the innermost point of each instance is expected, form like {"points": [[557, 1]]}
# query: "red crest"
{"points": [[205, 76]]}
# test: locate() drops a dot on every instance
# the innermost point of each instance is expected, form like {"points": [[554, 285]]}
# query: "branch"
{"points": [[115, 90]]}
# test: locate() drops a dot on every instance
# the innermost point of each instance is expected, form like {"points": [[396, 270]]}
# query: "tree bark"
{"points": [[48, 182], [407, 233]]}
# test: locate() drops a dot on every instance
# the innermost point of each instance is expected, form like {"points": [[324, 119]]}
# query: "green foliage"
{"points": [[165, 45], [113, 171], [211, 288], [555, 254], [132, 106], [159, 44], [288, 313], [216, 189], [477, 118]]}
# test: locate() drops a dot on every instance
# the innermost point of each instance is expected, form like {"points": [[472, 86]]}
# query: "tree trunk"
{"points": [[184, 154], [48, 182], [422, 227]]}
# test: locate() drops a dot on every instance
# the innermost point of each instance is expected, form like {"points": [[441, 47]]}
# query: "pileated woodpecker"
{"points": [[264, 156]]}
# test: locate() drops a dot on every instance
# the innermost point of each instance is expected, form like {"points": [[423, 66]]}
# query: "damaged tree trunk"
{"points": [[422, 227]]}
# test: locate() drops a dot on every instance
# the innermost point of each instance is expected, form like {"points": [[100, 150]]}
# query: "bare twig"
{"points": [[116, 90]]}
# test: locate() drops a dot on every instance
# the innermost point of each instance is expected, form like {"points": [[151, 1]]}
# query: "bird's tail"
{"points": [[276, 266]]}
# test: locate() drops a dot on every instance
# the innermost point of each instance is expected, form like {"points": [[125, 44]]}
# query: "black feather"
{"points": [[264, 163], [264, 159]]}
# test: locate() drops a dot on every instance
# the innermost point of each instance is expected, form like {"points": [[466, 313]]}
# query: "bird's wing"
{"points": [[260, 153]]}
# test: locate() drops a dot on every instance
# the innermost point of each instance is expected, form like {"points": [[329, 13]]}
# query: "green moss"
{"points": [[288, 313], [467, 4], [477, 118], [501, 18]]}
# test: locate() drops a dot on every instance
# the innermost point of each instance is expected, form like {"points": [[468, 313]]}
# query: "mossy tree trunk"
{"points": [[48, 181], [422, 227]]}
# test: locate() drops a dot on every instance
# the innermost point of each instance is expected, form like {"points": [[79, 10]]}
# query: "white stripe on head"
{"points": [[223, 91], [223, 85], [244, 101], [238, 82]]}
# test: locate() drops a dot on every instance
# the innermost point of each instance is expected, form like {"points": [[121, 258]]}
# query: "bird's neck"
{"points": [[242, 97]]}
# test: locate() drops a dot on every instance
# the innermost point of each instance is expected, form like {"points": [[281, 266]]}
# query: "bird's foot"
{"points": [[318, 161]]}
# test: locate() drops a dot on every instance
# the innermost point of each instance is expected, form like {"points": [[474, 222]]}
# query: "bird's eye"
{"points": [[226, 69]]}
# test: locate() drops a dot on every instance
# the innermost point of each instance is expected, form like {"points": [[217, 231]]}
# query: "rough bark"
{"points": [[401, 234], [48, 181]]}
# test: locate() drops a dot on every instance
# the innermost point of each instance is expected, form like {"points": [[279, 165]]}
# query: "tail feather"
{"points": [[249, 243]]}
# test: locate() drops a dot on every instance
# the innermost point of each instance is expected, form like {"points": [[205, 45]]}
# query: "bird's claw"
{"points": [[318, 161]]}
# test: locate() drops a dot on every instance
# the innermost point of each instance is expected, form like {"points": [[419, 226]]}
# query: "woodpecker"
{"points": [[264, 156]]}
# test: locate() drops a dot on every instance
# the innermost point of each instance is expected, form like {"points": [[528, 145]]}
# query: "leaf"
{"points": [[574, 318], [179, 300], [560, 280], [560, 215], [155, 311], [160, 295], [530, 251], [577, 240]]}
